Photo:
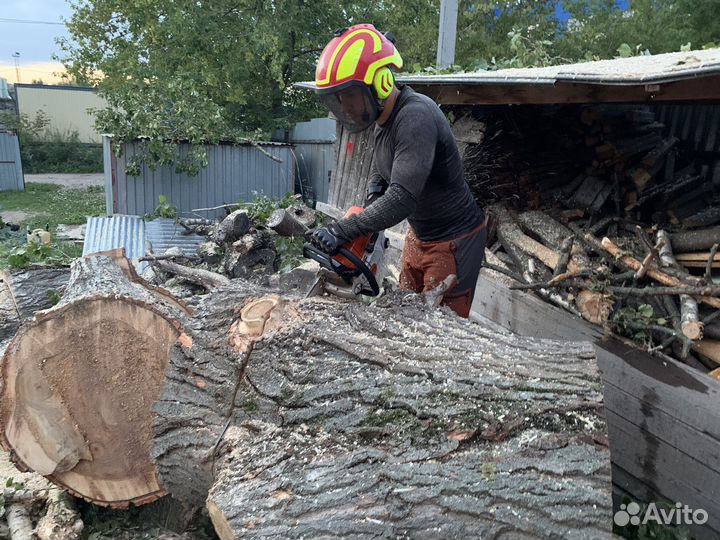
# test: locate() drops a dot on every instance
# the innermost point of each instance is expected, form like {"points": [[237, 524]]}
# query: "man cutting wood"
{"points": [[417, 171]]}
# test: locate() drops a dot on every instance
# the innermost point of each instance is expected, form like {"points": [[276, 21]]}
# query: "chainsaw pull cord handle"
{"points": [[360, 265]]}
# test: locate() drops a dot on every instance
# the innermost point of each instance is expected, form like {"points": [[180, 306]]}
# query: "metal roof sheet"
{"points": [[163, 233], [106, 233], [659, 68], [136, 235]]}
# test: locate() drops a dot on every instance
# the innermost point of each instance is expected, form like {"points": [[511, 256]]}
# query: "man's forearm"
{"points": [[395, 205]]}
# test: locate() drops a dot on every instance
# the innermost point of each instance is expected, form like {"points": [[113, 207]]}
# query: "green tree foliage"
{"points": [[197, 70], [202, 71]]}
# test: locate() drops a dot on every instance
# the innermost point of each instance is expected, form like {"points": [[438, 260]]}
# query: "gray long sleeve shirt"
{"points": [[416, 154]]}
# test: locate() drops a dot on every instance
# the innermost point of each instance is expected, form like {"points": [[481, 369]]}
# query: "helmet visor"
{"points": [[354, 106]]}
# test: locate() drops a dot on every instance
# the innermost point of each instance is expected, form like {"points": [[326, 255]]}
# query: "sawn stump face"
{"points": [[83, 383], [80, 379]]}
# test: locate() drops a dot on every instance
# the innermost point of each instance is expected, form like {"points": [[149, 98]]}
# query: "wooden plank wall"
{"points": [[664, 430], [354, 155]]}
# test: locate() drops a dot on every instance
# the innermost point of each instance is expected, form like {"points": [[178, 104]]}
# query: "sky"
{"points": [[35, 42]]}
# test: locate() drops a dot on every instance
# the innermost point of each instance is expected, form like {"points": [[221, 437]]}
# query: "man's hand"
{"points": [[329, 239]]}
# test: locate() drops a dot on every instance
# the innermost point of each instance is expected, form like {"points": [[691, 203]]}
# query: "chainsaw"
{"points": [[353, 270]]}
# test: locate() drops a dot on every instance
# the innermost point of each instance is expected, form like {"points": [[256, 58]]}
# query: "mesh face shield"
{"points": [[354, 106]]}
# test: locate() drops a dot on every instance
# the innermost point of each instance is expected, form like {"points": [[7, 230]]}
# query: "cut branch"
{"points": [[630, 262], [207, 279], [690, 323]]}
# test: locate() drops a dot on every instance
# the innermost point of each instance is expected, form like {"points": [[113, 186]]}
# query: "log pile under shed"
{"points": [[600, 210]]}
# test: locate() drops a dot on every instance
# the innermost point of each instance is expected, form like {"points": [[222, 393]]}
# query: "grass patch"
{"points": [[53, 204], [46, 204]]}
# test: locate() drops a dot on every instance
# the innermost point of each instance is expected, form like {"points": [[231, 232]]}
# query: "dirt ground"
{"points": [[67, 180]]}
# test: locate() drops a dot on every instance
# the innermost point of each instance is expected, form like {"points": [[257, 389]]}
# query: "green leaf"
{"points": [[624, 51], [645, 311]]}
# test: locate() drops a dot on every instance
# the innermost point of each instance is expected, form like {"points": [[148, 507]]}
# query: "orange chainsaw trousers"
{"points": [[426, 264]]}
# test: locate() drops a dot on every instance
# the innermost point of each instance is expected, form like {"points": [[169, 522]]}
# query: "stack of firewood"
{"points": [[241, 245], [597, 211]]}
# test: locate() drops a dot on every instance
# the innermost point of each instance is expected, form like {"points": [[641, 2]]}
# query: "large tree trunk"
{"points": [[27, 290], [291, 417], [80, 380], [387, 420]]}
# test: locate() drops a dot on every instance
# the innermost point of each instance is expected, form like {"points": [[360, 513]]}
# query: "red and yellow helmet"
{"points": [[354, 75], [359, 54]]}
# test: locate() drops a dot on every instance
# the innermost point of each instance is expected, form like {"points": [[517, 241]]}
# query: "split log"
{"points": [[712, 331], [553, 234], [510, 233], [709, 348], [699, 260], [383, 420], [591, 195], [709, 216], [205, 278], [25, 291], [80, 379]]}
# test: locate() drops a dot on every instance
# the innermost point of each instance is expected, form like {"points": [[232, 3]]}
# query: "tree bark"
{"points": [[61, 520], [286, 222], [695, 240], [25, 291], [80, 379], [292, 417], [19, 523], [383, 420]]}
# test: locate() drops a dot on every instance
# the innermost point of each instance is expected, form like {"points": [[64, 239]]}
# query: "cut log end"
{"points": [[220, 522], [80, 382], [693, 330]]}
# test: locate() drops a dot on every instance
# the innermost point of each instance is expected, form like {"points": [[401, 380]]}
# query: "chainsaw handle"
{"points": [[311, 252]]}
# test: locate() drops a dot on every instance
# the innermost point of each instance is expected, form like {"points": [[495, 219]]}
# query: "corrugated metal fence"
{"points": [[11, 175], [234, 172], [315, 156]]}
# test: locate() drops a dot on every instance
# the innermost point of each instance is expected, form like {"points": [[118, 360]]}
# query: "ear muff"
{"points": [[383, 83]]}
